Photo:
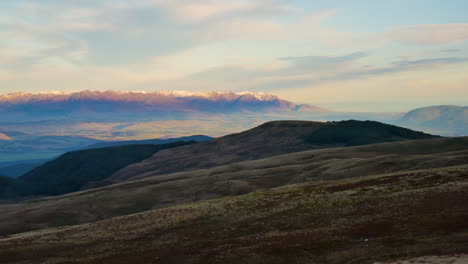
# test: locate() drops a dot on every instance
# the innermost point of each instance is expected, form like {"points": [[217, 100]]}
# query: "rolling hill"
{"points": [[267, 140], [447, 119], [79, 169], [234, 179]]}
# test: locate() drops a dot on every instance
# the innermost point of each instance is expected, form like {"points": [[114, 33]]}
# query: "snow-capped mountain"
{"points": [[59, 103]]}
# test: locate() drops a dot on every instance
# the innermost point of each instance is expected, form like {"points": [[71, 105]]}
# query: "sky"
{"points": [[347, 55]]}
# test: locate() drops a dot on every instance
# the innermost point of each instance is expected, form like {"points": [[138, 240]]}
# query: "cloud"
{"points": [[310, 71], [432, 34], [432, 62], [307, 63], [294, 66], [451, 50], [117, 33]]}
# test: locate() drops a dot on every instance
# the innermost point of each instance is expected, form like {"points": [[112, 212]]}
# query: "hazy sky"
{"points": [[362, 55]]}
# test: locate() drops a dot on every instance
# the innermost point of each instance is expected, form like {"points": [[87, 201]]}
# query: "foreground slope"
{"points": [[234, 179], [267, 140], [361, 220]]}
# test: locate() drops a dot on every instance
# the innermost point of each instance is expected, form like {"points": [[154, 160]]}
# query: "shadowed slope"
{"points": [[267, 140], [75, 170]]}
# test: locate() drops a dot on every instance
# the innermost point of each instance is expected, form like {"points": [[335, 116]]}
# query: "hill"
{"points": [[76, 170], [18, 169], [4, 183], [196, 138], [363, 220], [234, 179], [447, 119], [267, 140]]}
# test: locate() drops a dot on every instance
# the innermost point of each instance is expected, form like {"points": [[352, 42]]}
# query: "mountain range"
{"points": [[53, 104]]}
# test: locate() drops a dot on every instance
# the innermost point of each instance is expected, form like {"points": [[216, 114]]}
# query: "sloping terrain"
{"points": [[362, 220], [267, 140], [196, 138], [234, 179], [75, 170]]}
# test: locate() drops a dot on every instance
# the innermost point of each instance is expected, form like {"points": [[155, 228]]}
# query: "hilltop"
{"points": [[267, 140]]}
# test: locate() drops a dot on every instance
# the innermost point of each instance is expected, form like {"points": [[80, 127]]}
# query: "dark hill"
{"points": [[5, 183], [355, 133], [196, 138], [75, 170], [267, 140]]}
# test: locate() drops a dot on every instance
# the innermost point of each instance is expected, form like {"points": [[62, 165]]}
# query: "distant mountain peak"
{"points": [[4, 137]]}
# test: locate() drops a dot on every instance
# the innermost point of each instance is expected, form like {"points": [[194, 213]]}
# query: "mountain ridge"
{"points": [[158, 101]]}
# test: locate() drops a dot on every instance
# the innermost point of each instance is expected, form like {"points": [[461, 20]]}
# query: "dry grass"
{"points": [[403, 215]]}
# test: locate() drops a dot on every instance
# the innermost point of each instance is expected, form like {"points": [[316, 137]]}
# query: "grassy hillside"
{"points": [[79, 169], [356, 221], [234, 179], [267, 140]]}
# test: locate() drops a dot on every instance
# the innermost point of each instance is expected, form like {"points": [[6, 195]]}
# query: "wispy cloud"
{"points": [[215, 44], [432, 34]]}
